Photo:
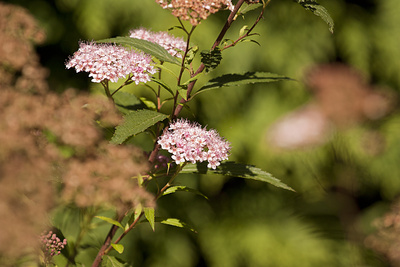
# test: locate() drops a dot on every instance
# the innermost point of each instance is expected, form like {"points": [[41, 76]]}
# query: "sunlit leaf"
{"points": [[318, 10], [118, 247], [149, 214], [136, 122], [109, 220], [175, 222], [236, 170], [150, 48], [182, 188]]}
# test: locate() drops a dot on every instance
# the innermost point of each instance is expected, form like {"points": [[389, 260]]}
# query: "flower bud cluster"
{"points": [[111, 62], [195, 10], [174, 45], [51, 244], [188, 142]]}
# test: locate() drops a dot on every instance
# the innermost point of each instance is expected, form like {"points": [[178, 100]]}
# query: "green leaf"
{"points": [[211, 59], [175, 222], [127, 102], [111, 261], [246, 8], [118, 247], [149, 214], [164, 85], [236, 79], [236, 170], [112, 221], [318, 10], [182, 188], [150, 48], [136, 122]]}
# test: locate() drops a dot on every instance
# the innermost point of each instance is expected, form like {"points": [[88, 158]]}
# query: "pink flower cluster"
{"points": [[51, 244], [174, 45], [188, 142], [111, 62]]}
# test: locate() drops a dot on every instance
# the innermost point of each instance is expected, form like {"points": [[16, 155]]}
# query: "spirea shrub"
{"points": [[74, 150]]}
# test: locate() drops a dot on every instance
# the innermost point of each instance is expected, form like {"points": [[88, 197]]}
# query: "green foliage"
{"points": [[236, 170], [211, 59], [136, 122], [175, 222], [150, 216], [111, 221], [242, 79], [110, 261], [147, 47], [182, 188], [318, 10]]}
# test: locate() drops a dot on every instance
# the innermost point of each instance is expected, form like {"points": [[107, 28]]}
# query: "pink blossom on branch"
{"points": [[174, 45], [188, 142], [51, 244], [111, 62]]}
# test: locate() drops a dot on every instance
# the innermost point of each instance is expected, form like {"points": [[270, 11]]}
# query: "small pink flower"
{"points": [[111, 62], [188, 142], [174, 45], [51, 244]]}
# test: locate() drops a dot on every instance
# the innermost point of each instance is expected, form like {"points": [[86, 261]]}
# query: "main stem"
{"points": [[221, 35], [191, 85]]}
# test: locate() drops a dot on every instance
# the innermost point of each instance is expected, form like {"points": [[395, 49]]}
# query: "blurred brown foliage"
{"points": [[53, 147]]}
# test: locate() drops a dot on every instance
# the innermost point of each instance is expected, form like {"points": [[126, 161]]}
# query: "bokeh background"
{"points": [[345, 168]]}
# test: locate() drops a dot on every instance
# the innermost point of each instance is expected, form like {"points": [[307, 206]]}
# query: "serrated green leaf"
{"points": [[318, 10], [118, 247], [150, 48], [149, 214], [111, 261], [236, 79], [236, 170], [175, 222], [109, 220], [136, 122], [182, 188], [211, 59]]}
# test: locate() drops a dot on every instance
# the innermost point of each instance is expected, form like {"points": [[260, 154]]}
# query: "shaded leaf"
{"points": [[236, 170], [242, 79], [318, 10], [136, 122], [182, 188], [147, 47], [111, 261], [175, 222], [127, 102], [109, 220]]}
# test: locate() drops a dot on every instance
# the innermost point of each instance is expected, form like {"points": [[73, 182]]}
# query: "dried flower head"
{"points": [[188, 142], [106, 179], [174, 45], [195, 10], [386, 238], [111, 62]]}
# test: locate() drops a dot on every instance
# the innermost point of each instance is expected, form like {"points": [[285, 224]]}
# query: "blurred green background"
{"points": [[340, 188]]}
